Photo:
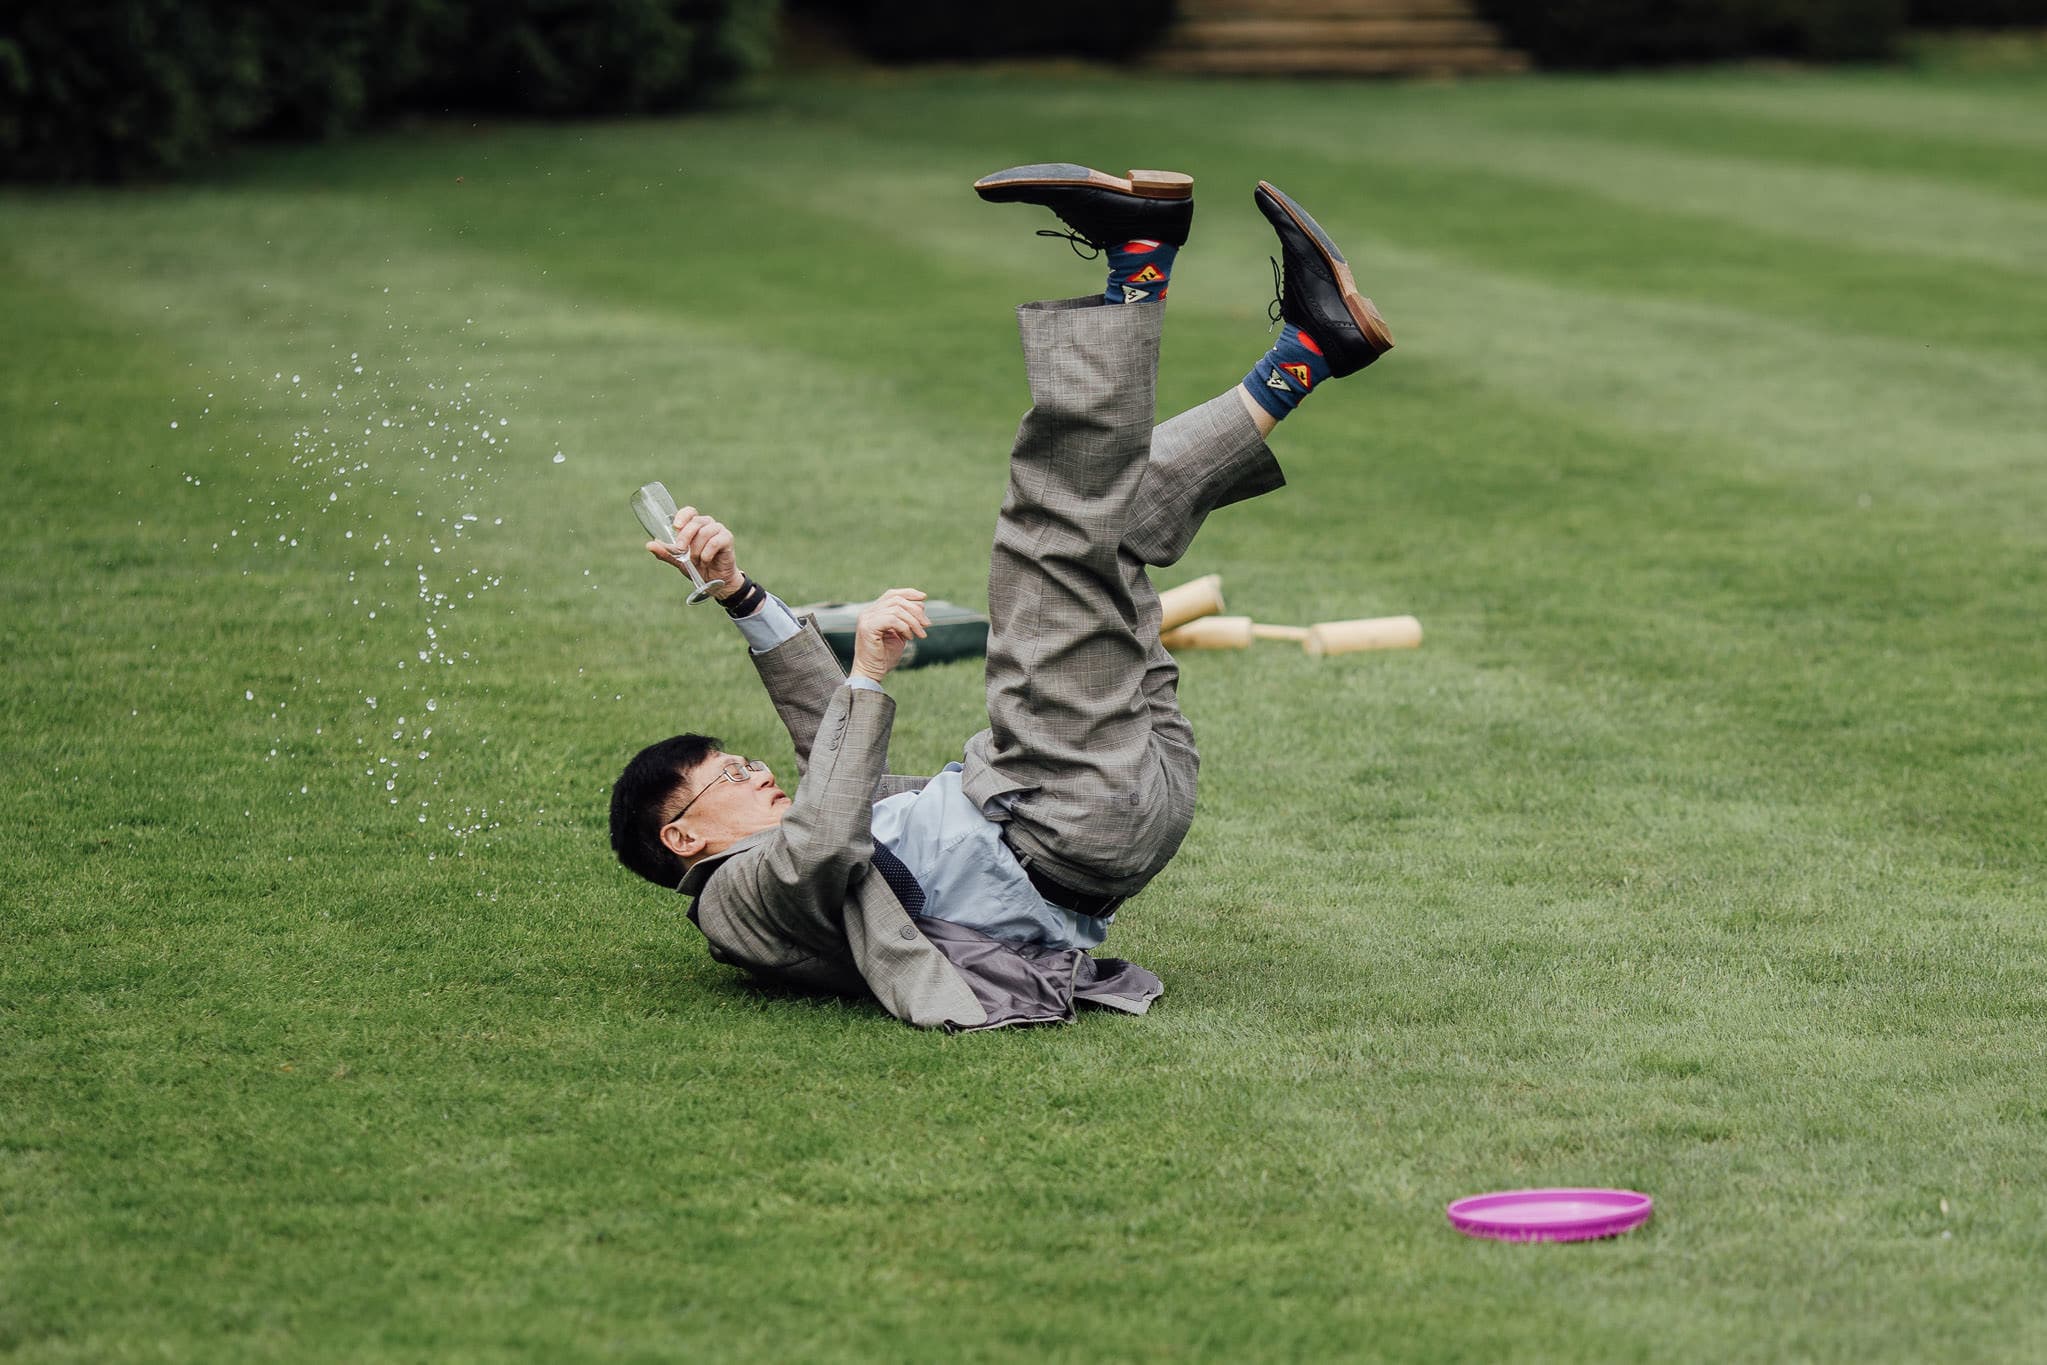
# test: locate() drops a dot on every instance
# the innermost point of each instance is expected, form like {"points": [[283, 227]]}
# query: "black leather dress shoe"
{"points": [[1319, 296], [1102, 210]]}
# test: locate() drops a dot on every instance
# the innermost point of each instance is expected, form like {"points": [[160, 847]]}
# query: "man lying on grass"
{"points": [[970, 899]]}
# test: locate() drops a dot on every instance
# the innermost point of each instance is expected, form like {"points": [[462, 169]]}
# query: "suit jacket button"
{"points": [[909, 931]]}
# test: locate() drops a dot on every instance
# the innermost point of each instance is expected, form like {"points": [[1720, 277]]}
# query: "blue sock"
{"points": [[1293, 366], [1138, 271]]}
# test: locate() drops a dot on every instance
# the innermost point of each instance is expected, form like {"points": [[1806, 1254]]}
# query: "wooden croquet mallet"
{"points": [[1378, 632], [1227, 632], [1209, 632], [1191, 601]]}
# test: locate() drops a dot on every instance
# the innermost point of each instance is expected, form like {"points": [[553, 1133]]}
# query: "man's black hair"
{"points": [[643, 791]]}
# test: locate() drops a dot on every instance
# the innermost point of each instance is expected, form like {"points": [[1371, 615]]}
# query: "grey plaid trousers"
{"points": [[1086, 742]]}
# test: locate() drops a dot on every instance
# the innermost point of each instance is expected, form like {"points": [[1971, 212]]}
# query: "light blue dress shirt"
{"points": [[956, 853]]}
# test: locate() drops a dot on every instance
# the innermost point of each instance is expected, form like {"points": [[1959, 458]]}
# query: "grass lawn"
{"points": [[1699, 850]]}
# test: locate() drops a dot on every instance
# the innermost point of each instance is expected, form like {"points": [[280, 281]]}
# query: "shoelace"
{"points": [[1076, 241], [1272, 310]]}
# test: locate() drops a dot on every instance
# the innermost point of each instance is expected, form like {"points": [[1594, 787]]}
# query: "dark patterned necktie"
{"points": [[899, 878]]}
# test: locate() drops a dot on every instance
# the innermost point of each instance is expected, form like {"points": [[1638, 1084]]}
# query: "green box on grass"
{"points": [[956, 632]]}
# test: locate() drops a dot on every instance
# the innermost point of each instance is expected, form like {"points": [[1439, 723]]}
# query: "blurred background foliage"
{"points": [[1616, 33], [1611, 33], [120, 89], [1977, 13], [106, 90], [946, 30]]}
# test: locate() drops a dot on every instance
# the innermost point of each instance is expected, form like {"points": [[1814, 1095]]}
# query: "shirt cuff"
{"points": [[865, 684], [771, 624]]}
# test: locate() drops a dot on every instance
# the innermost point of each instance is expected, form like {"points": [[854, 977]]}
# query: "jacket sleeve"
{"points": [[792, 888], [803, 677]]}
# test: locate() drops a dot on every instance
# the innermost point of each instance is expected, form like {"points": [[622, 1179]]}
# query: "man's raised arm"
{"points": [[784, 888], [796, 666]]}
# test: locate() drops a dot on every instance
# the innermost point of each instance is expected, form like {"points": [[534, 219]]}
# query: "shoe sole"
{"points": [[1362, 312], [1141, 184]]}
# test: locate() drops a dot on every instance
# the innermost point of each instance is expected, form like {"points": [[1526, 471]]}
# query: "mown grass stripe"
{"points": [[1880, 212], [1516, 219], [1982, 110], [1653, 120], [1784, 392]]}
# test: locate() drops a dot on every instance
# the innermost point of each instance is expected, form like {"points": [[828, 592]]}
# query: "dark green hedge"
{"points": [[115, 89], [974, 30], [1977, 13], [1609, 33]]}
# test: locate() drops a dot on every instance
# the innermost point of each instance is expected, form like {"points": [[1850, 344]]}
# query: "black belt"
{"points": [[1059, 893]]}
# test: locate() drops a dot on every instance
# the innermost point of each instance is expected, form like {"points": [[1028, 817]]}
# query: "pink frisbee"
{"points": [[1550, 1215]]}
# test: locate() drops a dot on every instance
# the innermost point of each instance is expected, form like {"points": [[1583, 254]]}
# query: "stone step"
{"points": [[1324, 61], [1327, 9], [1333, 38], [1238, 32]]}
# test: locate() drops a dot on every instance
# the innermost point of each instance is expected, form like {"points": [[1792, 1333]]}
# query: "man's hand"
{"points": [[708, 543], [884, 630]]}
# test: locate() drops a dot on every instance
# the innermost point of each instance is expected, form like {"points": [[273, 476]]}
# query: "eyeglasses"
{"points": [[735, 770]]}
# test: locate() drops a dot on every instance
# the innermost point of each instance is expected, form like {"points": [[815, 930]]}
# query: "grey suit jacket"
{"points": [[802, 903]]}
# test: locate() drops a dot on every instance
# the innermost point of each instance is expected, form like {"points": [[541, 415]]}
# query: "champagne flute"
{"points": [[656, 511]]}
